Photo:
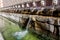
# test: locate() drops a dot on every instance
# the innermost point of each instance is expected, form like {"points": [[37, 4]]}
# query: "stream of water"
{"points": [[21, 34]]}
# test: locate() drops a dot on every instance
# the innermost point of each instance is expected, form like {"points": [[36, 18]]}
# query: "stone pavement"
{"points": [[1, 28], [1, 37]]}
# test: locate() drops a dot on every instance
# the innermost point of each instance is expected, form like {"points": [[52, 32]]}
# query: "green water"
{"points": [[11, 28]]}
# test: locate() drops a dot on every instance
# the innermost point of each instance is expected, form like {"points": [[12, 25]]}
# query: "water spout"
{"points": [[28, 23]]}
